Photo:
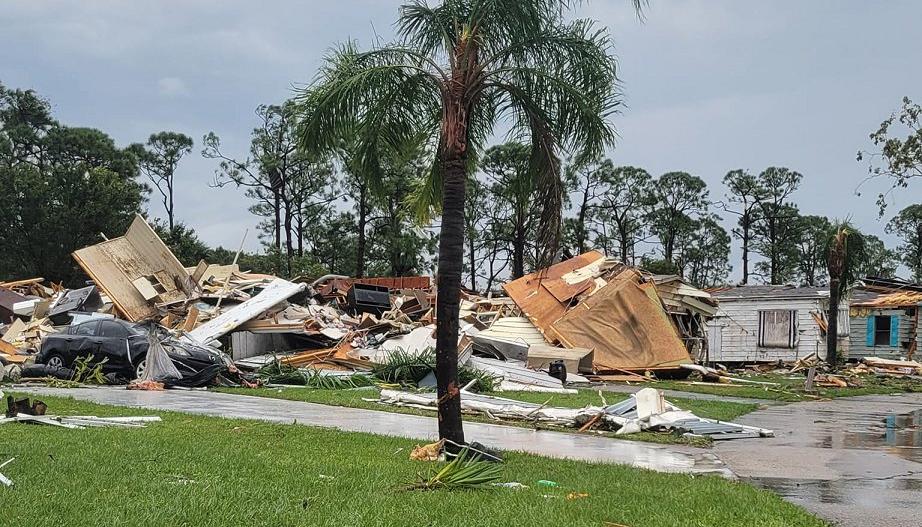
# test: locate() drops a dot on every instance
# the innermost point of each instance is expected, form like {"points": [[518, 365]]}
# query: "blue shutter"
{"points": [[894, 331], [870, 334]]}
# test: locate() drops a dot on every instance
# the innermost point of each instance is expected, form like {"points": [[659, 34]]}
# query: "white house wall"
{"points": [[859, 328], [739, 325]]}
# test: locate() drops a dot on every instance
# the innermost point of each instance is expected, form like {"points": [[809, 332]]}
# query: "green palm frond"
{"points": [[462, 472]]}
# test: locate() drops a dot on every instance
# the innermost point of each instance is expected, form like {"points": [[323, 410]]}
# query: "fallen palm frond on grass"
{"points": [[278, 373], [462, 472], [319, 379], [409, 368]]}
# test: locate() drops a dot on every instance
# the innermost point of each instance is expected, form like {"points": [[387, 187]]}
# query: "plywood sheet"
{"points": [[114, 264], [625, 325], [536, 300]]}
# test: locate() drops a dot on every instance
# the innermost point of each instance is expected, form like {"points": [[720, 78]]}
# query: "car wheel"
{"points": [[55, 361], [140, 368]]}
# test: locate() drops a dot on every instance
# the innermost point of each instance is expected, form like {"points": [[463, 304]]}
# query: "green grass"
{"points": [[204, 471], [723, 411], [791, 388]]}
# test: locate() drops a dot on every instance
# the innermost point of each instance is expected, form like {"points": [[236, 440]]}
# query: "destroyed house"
{"points": [[767, 323], [613, 311], [689, 308], [886, 325]]}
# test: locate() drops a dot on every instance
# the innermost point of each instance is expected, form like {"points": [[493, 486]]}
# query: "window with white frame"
{"points": [[778, 328]]}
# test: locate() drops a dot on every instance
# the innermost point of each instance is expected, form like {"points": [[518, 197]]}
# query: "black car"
{"points": [[124, 345]]}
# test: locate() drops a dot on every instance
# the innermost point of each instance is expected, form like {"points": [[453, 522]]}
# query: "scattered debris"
{"points": [[645, 410], [511, 485], [82, 421], [16, 407], [430, 452], [893, 367], [3, 479]]}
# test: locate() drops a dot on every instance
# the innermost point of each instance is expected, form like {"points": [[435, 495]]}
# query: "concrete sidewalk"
{"points": [[540, 442]]}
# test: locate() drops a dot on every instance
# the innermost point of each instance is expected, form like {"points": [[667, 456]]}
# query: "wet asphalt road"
{"points": [[855, 461]]}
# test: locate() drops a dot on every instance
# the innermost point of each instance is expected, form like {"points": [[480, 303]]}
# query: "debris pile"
{"points": [[585, 318], [646, 410], [617, 312], [893, 367]]}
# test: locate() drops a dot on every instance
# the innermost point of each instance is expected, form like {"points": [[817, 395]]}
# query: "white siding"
{"points": [[739, 325]]}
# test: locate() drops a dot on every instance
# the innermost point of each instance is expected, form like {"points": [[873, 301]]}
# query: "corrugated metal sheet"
{"points": [[514, 329], [768, 292]]}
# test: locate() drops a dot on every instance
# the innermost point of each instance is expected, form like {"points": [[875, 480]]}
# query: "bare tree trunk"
{"points": [[775, 259], [289, 248], [623, 243], [395, 251], [299, 230], [277, 210], [518, 251], [169, 211], [745, 251], [581, 231], [472, 251], [362, 240]]}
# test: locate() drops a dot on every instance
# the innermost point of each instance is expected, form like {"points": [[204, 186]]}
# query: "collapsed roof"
{"points": [[595, 302]]}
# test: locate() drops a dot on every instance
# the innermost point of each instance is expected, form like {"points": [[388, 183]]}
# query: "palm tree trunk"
{"points": [[832, 319], [451, 259]]}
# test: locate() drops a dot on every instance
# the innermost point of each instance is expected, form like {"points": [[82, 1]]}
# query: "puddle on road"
{"points": [[899, 434], [863, 492]]}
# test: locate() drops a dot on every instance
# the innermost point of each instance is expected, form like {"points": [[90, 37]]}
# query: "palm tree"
{"points": [[456, 70], [845, 253]]}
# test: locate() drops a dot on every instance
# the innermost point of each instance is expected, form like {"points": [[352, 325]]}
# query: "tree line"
{"points": [[328, 215]]}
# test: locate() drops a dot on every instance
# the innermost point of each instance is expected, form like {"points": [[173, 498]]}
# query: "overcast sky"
{"points": [[710, 86]]}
